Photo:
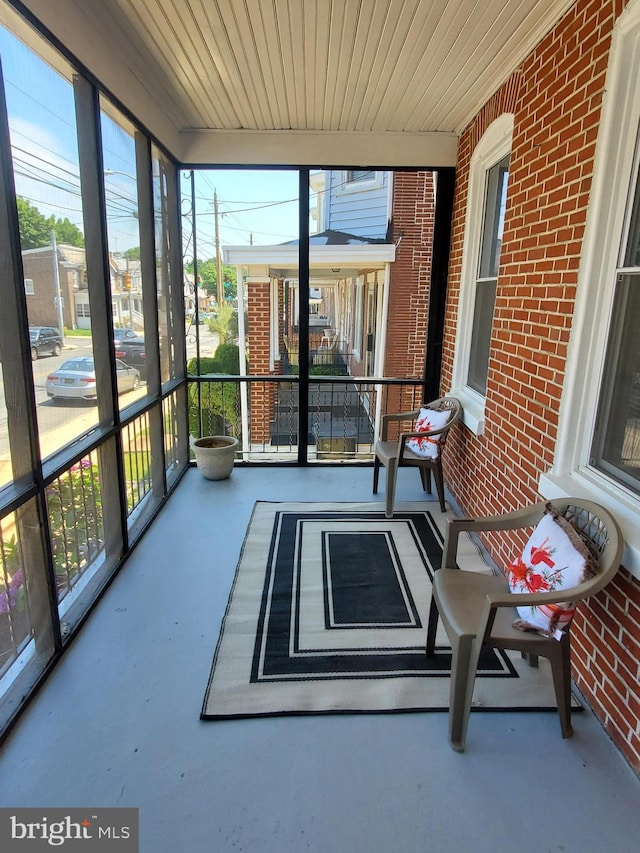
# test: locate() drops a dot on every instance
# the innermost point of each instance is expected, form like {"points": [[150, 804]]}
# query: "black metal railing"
{"points": [[264, 413]]}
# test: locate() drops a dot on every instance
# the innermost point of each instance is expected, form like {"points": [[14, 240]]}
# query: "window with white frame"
{"points": [[486, 203], [615, 447], [28, 287], [597, 453], [360, 180], [486, 282], [355, 176]]}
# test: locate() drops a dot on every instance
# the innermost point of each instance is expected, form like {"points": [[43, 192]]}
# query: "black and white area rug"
{"points": [[328, 613]]}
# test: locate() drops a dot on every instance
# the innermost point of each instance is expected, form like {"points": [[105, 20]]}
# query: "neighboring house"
{"points": [[41, 288], [43, 291], [369, 281], [354, 201]]}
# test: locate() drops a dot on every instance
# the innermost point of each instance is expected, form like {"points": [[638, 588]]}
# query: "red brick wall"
{"points": [[413, 215], [40, 304], [262, 396], [556, 101]]}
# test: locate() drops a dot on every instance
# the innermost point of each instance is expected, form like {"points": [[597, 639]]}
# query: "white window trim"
{"points": [[347, 186], [615, 169], [358, 319], [494, 145], [28, 287], [274, 326]]}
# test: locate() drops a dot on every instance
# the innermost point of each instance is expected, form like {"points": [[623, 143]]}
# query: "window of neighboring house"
{"points": [[484, 224], [360, 180], [28, 287], [597, 452], [82, 309], [358, 175]]}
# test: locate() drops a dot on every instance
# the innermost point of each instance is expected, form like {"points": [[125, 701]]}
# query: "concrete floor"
{"points": [[117, 724]]}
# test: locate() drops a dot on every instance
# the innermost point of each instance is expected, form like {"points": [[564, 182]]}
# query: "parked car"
{"points": [[76, 379], [131, 351], [123, 335], [45, 340]]}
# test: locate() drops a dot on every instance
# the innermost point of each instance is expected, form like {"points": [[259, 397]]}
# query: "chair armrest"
{"points": [[532, 599], [527, 517], [401, 416], [394, 417]]}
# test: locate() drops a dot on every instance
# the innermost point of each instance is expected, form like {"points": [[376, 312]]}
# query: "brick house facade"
{"points": [[413, 219], [555, 99], [38, 268]]}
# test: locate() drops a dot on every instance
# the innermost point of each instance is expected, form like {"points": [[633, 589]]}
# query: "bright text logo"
{"points": [[70, 829]]}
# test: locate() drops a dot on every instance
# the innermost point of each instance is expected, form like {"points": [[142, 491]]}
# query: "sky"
{"points": [[258, 207], [255, 206]]}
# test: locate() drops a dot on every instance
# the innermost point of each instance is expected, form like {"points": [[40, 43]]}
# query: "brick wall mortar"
{"points": [[556, 98], [413, 218]]}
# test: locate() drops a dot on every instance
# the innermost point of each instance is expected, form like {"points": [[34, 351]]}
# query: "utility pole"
{"points": [[218, 255], [56, 278]]}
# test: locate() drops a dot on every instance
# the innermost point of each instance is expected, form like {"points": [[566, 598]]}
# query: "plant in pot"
{"points": [[215, 455]]}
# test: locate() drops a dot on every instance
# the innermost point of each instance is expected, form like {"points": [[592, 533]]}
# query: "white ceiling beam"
{"points": [[319, 148]]}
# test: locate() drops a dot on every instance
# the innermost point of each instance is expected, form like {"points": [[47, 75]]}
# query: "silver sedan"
{"points": [[76, 379]]}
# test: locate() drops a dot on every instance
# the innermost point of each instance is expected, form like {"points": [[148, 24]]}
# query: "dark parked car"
{"points": [[131, 351], [123, 335], [45, 340]]}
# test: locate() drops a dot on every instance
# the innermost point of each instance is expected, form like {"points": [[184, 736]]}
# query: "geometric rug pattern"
{"points": [[328, 614]]}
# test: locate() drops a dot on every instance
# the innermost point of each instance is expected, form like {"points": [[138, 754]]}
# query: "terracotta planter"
{"points": [[215, 455]]}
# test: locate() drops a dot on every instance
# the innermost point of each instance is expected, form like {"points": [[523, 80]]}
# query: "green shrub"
{"points": [[208, 364], [220, 404], [219, 400], [328, 370], [228, 356]]}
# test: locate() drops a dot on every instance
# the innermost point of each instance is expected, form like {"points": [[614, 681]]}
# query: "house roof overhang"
{"points": [[330, 262]]}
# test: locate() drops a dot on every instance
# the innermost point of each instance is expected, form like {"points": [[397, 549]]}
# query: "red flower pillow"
{"points": [[428, 420], [554, 558]]}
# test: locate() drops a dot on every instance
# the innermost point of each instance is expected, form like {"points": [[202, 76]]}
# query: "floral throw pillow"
{"points": [[554, 558], [428, 420]]}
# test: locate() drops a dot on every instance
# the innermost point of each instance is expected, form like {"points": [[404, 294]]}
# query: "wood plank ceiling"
{"points": [[370, 66]]}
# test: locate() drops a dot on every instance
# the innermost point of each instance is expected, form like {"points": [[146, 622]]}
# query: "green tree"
{"points": [[36, 228], [222, 324], [34, 231], [66, 232], [208, 277]]}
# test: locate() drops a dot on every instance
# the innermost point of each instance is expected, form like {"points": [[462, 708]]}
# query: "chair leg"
{"points": [[437, 472], [432, 627], [376, 472], [464, 663], [392, 473], [561, 671], [425, 476]]}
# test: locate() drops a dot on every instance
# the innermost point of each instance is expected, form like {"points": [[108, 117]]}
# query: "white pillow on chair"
{"points": [[427, 421], [554, 558]]}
